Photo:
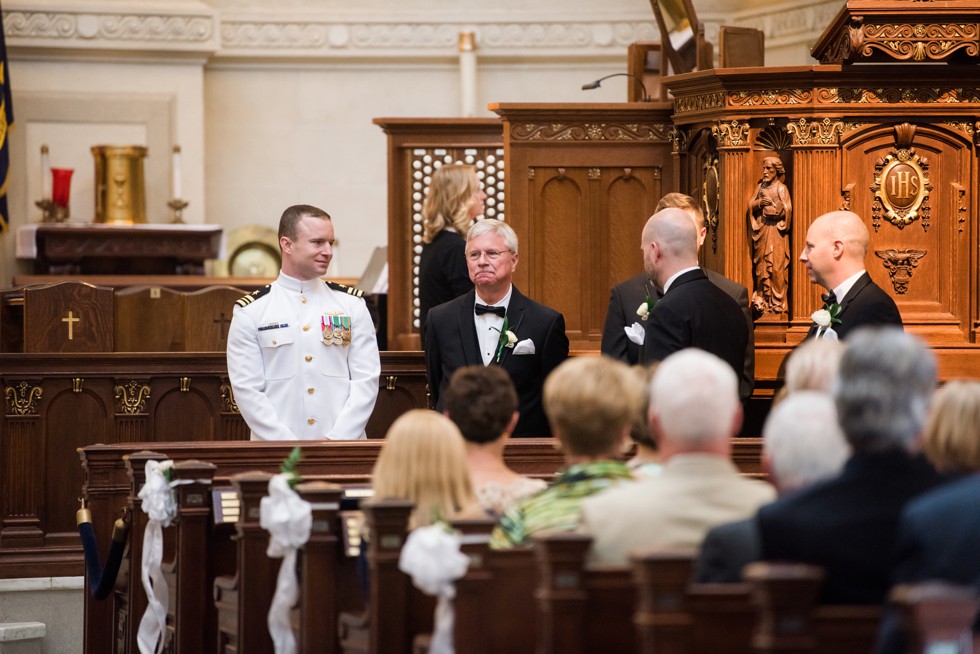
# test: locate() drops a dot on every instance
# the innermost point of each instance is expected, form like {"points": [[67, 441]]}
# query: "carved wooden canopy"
{"points": [[902, 30]]}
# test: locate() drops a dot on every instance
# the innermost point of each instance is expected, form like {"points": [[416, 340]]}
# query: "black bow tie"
{"points": [[497, 311], [829, 298]]}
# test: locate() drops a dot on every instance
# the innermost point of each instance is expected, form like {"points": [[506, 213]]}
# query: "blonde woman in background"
{"points": [[811, 367], [951, 442], [454, 201], [423, 460]]}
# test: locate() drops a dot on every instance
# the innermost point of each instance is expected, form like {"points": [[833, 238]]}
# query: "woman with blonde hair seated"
{"points": [[453, 201], [590, 403], [423, 460], [812, 366], [951, 443]]}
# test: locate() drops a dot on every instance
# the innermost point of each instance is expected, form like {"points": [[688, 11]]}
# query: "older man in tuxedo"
{"points": [[495, 324], [836, 245], [693, 312], [626, 297]]}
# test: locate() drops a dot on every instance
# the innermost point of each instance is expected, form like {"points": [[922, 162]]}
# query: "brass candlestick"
{"points": [[178, 205], [50, 212]]}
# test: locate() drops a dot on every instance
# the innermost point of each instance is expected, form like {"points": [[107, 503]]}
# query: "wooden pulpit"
{"points": [[68, 317]]}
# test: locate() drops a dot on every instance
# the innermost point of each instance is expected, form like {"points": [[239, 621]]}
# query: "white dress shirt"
{"points": [[488, 327]]}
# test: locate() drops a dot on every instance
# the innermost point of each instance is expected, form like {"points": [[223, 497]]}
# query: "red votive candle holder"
{"points": [[61, 186]]}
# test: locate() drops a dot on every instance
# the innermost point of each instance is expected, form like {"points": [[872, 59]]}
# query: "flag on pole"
{"points": [[6, 122]]}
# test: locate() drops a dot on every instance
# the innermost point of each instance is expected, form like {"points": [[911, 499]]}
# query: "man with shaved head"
{"points": [[836, 245], [619, 338], [693, 312]]}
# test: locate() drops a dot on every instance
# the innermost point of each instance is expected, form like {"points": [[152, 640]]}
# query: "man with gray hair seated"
{"points": [[802, 444], [848, 524], [694, 412]]}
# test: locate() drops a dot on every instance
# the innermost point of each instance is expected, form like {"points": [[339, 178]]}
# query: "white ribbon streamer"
{"points": [[288, 519], [159, 504], [431, 555]]}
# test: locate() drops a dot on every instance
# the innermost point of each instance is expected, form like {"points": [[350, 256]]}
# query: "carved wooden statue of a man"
{"points": [[770, 213]]}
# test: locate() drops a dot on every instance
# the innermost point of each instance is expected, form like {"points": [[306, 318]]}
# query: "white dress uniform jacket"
{"points": [[290, 381]]}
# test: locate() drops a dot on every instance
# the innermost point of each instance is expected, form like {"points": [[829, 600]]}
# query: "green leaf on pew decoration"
{"points": [[289, 466]]}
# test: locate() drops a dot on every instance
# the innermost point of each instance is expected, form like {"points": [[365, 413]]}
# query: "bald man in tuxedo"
{"points": [[626, 297]]}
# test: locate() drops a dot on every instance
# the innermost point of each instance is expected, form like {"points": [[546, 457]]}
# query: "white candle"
{"points": [[467, 73], [45, 174], [175, 172]]}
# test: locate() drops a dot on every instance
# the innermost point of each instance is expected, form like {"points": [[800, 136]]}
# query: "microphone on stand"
{"points": [[597, 83]]}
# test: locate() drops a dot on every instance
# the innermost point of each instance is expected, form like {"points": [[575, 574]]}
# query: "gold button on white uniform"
{"points": [[310, 390], [309, 357], [310, 421], [303, 300], [306, 328], [274, 341]]}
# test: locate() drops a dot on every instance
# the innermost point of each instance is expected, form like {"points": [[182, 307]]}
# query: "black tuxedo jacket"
{"points": [[864, 305], [625, 298], [696, 313], [451, 342], [848, 524]]}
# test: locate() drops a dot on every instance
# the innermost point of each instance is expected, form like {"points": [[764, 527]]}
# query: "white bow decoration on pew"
{"points": [[288, 519], [432, 557], [159, 504]]}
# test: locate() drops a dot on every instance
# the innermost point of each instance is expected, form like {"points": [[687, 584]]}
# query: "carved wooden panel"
{"points": [[582, 179], [57, 403], [585, 225], [923, 258], [68, 317]]}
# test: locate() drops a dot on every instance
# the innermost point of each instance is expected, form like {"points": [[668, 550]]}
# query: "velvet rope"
{"points": [[101, 576]]}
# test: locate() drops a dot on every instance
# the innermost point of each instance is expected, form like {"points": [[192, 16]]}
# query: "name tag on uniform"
{"points": [[273, 325], [336, 328]]}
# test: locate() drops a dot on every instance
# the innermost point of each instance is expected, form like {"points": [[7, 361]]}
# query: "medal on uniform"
{"points": [[336, 329]]}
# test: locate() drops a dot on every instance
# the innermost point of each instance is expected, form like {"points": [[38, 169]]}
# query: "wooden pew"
{"points": [[242, 625], [722, 618], [790, 620], [663, 621], [396, 612], [327, 577], [495, 606], [937, 616], [189, 572], [581, 609], [155, 319]]}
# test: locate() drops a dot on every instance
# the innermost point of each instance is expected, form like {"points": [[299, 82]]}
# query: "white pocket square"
{"points": [[524, 347], [636, 333]]}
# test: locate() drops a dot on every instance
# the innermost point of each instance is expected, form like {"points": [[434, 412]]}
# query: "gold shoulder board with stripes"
{"points": [[343, 288], [253, 296]]}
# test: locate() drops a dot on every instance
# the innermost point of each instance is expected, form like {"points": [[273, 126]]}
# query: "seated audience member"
{"points": [[481, 400], [646, 461], [848, 524], [939, 534], [812, 366], [951, 442], [802, 444], [423, 460], [694, 413], [590, 402]]}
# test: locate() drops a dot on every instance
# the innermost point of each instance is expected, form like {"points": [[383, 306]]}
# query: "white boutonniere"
{"points": [[825, 319], [643, 311], [507, 339]]}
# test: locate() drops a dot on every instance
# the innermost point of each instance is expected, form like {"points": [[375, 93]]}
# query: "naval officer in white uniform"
{"points": [[302, 354]]}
